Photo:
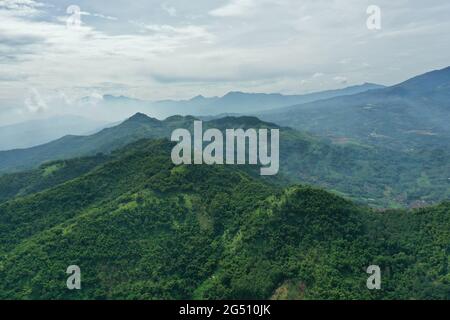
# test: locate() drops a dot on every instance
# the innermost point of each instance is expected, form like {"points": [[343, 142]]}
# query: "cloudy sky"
{"points": [[152, 49]]}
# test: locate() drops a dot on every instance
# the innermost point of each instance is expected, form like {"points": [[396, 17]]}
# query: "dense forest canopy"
{"points": [[141, 228]]}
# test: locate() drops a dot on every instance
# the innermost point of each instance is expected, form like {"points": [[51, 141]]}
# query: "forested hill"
{"points": [[137, 127], [371, 175], [141, 228]]}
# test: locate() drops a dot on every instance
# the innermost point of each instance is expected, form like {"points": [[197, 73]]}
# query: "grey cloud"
{"points": [[178, 49], [19, 40]]}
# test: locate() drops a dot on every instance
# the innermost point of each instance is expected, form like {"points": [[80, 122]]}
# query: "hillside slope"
{"points": [[37, 132], [137, 127], [140, 228], [411, 115], [46, 176]]}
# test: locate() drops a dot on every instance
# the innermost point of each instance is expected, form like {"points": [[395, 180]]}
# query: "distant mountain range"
{"points": [[111, 108], [412, 114], [233, 102], [236, 102]]}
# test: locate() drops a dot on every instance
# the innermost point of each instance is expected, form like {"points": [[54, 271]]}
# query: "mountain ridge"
{"points": [[367, 174], [409, 115], [231, 102]]}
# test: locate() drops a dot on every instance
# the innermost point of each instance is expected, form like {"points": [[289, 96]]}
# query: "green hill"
{"points": [[137, 127], [46, 176], [373, 175], [140, 228]]}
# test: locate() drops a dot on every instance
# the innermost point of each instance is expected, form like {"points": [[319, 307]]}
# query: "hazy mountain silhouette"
{"points": [[36, 132], [412, 114], [232, 102]]}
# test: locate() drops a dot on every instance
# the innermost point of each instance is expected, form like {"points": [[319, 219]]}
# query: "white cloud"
{"points": [[184, 32], [234, 8], [341, 79], [22, 7], [171, 11], [303, 82], [269, 46], [99, 15], [34, 102]]}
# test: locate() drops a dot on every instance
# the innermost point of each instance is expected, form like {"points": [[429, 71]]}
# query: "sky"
{"points": [[176, 49]]}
